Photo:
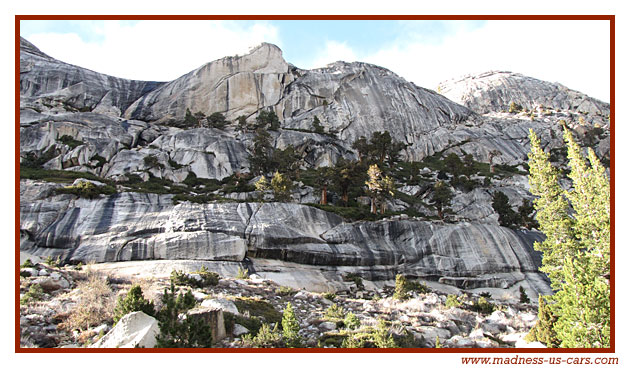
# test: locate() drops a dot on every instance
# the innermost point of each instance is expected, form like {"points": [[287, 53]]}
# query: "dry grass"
{"points": [[95, 304]]}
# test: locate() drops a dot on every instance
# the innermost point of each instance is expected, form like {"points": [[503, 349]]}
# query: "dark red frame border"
{"points": [[610, 18]]}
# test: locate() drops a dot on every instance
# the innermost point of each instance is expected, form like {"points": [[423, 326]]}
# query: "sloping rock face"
{"points": [[133, 226], [494, 91], [77, 120], [233, 85], [47, 81], [135, 329]]}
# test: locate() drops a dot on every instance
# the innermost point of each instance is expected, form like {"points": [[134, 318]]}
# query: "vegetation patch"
{"points": [[258, 308]]}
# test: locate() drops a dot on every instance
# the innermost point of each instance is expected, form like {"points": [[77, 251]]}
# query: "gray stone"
{"points": [[239, 330], [219, 303], [212, 317], [328, 326], [135, 329]]}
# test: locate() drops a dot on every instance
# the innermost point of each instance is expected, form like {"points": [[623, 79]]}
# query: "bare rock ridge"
{"points": [[495, 90], [134, 226], [115, 130], [49, 82]]}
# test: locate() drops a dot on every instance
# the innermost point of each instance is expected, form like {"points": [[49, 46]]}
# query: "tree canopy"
{"points": [[576, 251]]}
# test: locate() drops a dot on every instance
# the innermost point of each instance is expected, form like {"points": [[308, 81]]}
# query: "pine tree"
{"points": [[374, 185], [133, 302], [442, 197], [281, 186], [290, 328], [576, 252]]}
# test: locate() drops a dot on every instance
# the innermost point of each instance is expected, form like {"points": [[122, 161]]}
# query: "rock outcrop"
{"points": [[133, 226], [134, 330], [46, 83], [119, 130], [494, 91]]}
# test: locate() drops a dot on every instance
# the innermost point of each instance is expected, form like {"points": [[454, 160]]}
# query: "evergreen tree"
{"points": [[133, 302], [363, 148], [217, 120], [576, 251], [325, 176], [442, 197], [290, 328], [260, 159], [281, 186], [501, 204], [374, 185], [317, 126]]}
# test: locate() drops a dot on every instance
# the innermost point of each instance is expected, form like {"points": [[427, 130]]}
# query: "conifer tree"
{"points": [[576, 251], [290, 328]]}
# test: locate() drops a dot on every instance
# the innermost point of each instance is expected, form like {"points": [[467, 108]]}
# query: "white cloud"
{"points": [[333, 51], [155, 50], [574, 53]]}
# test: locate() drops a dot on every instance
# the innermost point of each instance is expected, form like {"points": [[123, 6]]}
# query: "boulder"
{"points": [[210, 316], [135, 329], [219, 303]]}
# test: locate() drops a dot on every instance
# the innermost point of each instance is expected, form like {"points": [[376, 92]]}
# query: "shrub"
{"points": [[374, 337], [291, 328], [206, 278], [351, 321], [401, 291], [452, 301], [265, 338], [151, 161], [176, 333], [87, 189], [514, 108], [258, 308], [95, 304], [70, 141], [486, 294], [543, 330], [133, 302], [27, 264], [334, 313], [382, 338], [53, 262], [285, 291], [418, 287], [242, 274], [330, 296], [483, 306], [523, 295], [355, 278], [438, 344], [34, 293]]}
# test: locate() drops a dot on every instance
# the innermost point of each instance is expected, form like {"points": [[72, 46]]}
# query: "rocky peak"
{"points": [[28, 48], [493, 91]]}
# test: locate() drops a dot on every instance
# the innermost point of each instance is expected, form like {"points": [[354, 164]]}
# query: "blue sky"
{"points": [[574, 53]]}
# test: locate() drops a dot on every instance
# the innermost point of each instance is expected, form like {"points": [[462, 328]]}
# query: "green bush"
{"points": [[208, 278], [257, 307], [334, 313], [483, 306], [34, 293], [265, 338], [133, 302], [401, 290], [291, 328], [70, 141], [86, 189], [351, 321], [523, 295], [176, 333], [243, 274], [452, 301], [543, 330], [53, 262], [354, 277], [285, 291], [330, 296], [27, 264], [514, 108]]}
